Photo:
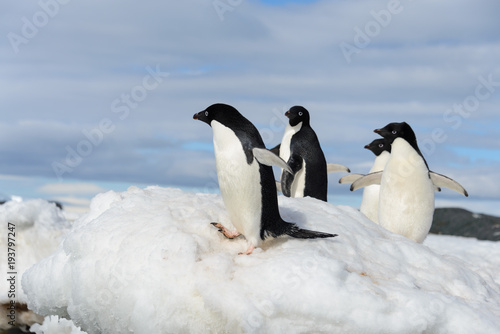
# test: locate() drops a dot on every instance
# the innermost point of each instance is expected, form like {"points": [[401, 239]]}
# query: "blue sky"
{"points": [[103, 93]]}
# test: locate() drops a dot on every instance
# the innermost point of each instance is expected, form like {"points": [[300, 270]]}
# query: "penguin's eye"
{"points": [[301, 113], [394, 132], [380, 145], [206, 113]]}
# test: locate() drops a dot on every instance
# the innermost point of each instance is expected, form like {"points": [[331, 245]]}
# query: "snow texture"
{"points": [[39, 227], [53, 325], [148, 261]]}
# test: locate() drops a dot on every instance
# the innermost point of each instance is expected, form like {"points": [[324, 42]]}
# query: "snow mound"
{"points": [[38, 227], [481, 256], [54, 325], [148, 261]]}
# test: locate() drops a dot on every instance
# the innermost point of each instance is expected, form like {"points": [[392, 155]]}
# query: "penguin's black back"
{"points": [[305, 143]]}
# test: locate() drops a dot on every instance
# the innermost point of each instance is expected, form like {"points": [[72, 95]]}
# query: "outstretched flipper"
{"points": [[268, 158], [350, 178], [335, 168], [440, 180], [367, 180]]}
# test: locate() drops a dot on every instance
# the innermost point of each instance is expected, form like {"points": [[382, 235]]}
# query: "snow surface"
{"points": [[53, 325], [148, 261], [39, 226]]}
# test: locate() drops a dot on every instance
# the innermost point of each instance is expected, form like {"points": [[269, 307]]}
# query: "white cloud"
{"points": [[71, 188], [73, 201]]}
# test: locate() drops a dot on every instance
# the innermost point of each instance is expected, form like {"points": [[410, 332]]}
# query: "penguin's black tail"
{"points": [[296, 232]]}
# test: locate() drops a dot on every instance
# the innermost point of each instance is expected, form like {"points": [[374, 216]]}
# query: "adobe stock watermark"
{"points": [[436, 308], [454, 117], [223, 6], [363, 37], [31, 26], [292, 280], [120, 108], [276, 126]]}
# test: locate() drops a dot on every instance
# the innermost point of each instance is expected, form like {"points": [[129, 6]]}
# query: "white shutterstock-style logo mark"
{"points": [[121, 107]]}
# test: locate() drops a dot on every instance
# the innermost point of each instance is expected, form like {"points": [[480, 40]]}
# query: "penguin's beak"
{"points": [[367, 147], [201, 117], [377, 131], [287, 114]]}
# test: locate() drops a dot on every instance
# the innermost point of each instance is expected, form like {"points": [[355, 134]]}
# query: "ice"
{"points": [[38, 227], [149, 261]]}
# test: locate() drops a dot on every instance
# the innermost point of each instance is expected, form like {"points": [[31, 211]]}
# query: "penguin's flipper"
{"points": [[268, 158], [295, 164], [286, 184], [335, 168], [276, 150], [367, 180], [440, 180], [350, 178]]}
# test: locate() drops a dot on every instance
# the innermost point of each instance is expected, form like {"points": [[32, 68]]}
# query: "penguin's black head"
{"points": [[216, 111], [379, 145], [395, 130], [298, 114]]}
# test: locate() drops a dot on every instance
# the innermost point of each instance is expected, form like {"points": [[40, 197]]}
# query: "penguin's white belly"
{"points": [[239, 183], [287, 139], [406, 196], [370, 202], [371, 194], [299, 182]]}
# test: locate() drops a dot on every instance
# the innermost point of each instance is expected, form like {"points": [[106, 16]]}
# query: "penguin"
{"points": [[246, 179], [406, 200], [369, 204], [301, 150]]}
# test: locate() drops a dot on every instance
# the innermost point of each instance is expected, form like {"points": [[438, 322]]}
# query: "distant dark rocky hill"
{"points": [[460, 222]]}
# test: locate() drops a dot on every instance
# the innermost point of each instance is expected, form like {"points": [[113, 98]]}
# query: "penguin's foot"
{"points": [[227, 233], [248, 251]]}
